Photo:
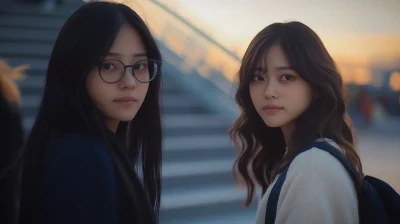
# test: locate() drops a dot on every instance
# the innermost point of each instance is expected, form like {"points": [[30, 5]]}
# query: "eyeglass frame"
{"points": [[128, 66]]}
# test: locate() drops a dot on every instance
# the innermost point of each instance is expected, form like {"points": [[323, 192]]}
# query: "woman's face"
{"points": [[279, 94], [118, 94]]}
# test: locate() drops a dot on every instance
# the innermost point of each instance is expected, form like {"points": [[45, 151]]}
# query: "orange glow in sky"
{"points": [[360, 32]]}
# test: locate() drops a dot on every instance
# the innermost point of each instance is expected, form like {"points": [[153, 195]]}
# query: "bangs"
{"points": [[257, 57], [295, 55]]}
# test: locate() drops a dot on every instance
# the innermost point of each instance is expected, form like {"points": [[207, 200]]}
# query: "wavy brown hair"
{"points": [[262, 148]]}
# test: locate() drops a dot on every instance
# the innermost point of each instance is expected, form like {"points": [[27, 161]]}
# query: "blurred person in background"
{"points": [[100, 110], [366, 105], [11, 142]]}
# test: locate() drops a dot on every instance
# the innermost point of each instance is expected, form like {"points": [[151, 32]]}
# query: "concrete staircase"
{"points": [[198, 186]]}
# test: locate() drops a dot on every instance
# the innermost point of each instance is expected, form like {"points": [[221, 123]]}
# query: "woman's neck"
{"points": [[112, 125], [287, 131]]}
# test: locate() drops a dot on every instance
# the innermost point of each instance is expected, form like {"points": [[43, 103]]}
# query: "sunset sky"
{"points": [[361, 32]]}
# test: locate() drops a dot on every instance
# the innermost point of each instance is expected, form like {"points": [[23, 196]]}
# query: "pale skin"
{"points": [[129, 49], [278, 93]]}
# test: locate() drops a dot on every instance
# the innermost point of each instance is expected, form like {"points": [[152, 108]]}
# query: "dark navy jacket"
{"points": [[79, 185], [11, 142]]}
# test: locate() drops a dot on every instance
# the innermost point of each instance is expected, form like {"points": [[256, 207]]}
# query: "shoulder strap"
{"points": [[272, 202]]}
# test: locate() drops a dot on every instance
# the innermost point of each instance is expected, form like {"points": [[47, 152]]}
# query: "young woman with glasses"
{"points": [[100, 111]]}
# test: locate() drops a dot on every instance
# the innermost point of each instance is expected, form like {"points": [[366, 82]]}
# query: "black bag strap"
{"points": [[272, 203]]}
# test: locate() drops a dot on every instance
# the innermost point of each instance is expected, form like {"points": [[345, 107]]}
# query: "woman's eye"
{"points": [[286, 78], [140, 66], [258, 78], [108, 66]]}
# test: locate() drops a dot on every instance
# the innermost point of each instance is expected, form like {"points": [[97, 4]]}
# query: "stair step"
{"points": [[181, 176], [244, 216], [27, 35], [199, 153], [27, 21], [199, 147], [19, 8], [187, 169], [8, 48], [194, 142], [196, 121], [196, 203], [198, 197]]}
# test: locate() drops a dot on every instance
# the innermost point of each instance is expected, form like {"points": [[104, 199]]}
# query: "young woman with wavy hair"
{"points": [[291, 95]]}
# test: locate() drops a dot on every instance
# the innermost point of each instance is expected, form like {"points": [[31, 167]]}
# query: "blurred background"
{"points": [[202, 43]]}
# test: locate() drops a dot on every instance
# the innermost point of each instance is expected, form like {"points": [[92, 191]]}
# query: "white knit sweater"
{"points": [[317, 189]]}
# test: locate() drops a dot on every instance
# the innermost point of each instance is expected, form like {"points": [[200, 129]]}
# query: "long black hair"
{"points": [[262, 148], [66, 106]]}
